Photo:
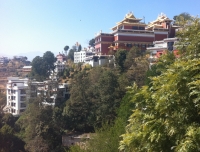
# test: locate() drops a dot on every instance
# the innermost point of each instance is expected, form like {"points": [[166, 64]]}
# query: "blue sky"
{"points": [[48, 25]]}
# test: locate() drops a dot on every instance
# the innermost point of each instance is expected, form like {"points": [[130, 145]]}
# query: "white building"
{"points": [[99, 60], [19, 90], [16, 95], [160, 47], [80, 56], [3, 60], [59, 66]]}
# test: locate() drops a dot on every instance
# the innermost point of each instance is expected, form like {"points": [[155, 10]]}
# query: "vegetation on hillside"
{"points": [[128, 106]]}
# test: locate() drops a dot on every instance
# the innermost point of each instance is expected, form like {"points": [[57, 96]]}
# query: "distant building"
{"points": [[3, 60], [61, 57], [160, 47], [27, 69], [80, 56], [16, 95], [99, 60], [20, 90], [59, 66], [131, 31]]}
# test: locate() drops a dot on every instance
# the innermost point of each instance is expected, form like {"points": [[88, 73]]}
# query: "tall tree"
{"points": [[66, 48], [79, 48], [120, 57], [49, 60], [41, 66], [182, 19], [91, 42], [71, 54]]}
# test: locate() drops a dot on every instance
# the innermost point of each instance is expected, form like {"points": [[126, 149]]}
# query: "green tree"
{"points": [[40, 130], [182, 19], [91, 42], [120, 57], [71, 54], [79, 48], [49, 60], [168, 111], [66, 48], [42, 66]]}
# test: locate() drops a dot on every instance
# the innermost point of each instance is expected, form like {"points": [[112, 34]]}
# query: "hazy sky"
{"points": [[42, 25]]}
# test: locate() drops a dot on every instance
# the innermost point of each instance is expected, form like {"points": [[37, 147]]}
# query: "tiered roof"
{"points": [[129, 19], [157, 23]]}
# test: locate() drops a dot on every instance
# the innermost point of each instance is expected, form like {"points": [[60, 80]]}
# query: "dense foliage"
{"points": [[42, 66], [162, 115], [166, 114]]}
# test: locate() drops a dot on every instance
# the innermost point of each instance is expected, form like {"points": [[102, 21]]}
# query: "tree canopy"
{"points": [[91, 42], [42, 66], [166, 114], [66, 48], [182, 19]]}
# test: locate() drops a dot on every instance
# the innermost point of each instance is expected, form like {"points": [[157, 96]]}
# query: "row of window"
{"points": [[22, 105], [11, 91], [22, 98], [23, 91], [138, 28], [14, 111]]}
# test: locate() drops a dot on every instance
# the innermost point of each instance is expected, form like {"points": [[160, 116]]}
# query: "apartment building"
{"points": [[16, 95]]}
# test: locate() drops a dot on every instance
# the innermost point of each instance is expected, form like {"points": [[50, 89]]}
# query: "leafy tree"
{"points": [[49, 60], [189, 39], [120, 57], [95, 96], [162, 65], [41, 66], [79, 48], [182, 19], [41, 126], [131, 57], [168, 111], [91, 42], [66, 48], [71, 54]]}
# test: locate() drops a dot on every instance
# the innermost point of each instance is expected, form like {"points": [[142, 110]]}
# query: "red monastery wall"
{"points": [[109, 39], [159, 37], [104, 49], [136, 38]]}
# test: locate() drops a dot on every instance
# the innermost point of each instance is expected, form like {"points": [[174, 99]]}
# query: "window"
{"points": [[13, 110], [13, 91], [129, 45], [141, 28], [22, 98], [135, 28], [23, 91], [23, 105], [13, 97], [13, 104], [22, 110]]}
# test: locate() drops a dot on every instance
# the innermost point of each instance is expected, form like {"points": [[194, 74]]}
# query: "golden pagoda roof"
{"points": [[129, 19], [160, 19]]}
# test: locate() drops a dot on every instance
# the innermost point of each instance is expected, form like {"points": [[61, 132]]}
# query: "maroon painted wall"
{"points": [[135, 38], [107, 38], [159, 37], [104, 48]]}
